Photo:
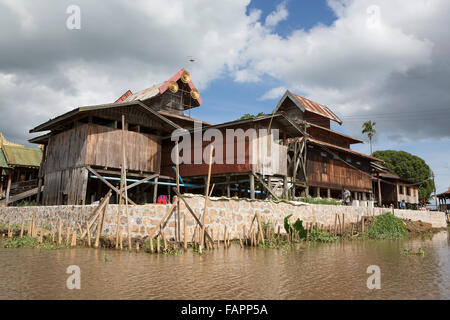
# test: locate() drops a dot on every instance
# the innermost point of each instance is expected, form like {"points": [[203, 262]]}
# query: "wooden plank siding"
{"points": [[191, 170], [327, 172], [104, 149], [69, 152]]}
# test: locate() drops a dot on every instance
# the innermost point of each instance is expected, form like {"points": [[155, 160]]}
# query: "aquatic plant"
{"points": [[297, 227], [387, 226], [319, 235], [105, 257], [29, 242]]}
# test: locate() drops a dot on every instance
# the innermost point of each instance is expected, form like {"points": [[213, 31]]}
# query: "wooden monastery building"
{"points": [[83, 150]]}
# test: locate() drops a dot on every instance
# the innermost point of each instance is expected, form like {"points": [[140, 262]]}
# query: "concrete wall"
{"points": [[233, 213]]}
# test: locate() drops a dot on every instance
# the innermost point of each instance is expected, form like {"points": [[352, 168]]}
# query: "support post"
{"points": [[252, 186], [155, 190], [329, 193], [8, 186], [379, 190], [285, 188], [228, 186]]}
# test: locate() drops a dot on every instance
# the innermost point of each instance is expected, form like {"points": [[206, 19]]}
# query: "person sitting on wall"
{"points": [[347, 197], [403, 204]]}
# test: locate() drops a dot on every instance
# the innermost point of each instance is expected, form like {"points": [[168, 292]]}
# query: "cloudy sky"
{"points": [[386, 61]]}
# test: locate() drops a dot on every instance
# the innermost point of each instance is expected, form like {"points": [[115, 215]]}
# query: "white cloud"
{"points": [[377, 57], [274, 93], [280, 14]]}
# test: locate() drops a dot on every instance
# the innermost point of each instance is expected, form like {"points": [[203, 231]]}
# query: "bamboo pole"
{"points": [[22, 227], [79, 228], [74, 239], [185, 233], [335, 224], [67, 235], [362, 223], [121, 241], [137, 246], [205, 210], [59, 232], [99, 229], [225, 237], [152, 250], [343, 224], [178, 190], [260, 227], [158, 239], [88, 234]]}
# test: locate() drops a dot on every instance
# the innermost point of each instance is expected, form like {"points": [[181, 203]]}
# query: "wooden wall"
{"points": [[69, 152], [104, 149], [191, 170], [326, 172]]}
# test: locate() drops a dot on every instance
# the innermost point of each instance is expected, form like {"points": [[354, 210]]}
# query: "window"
{"points": [[408, 191], [348, 159], [400, 189], [358, 163], [323, 154]]}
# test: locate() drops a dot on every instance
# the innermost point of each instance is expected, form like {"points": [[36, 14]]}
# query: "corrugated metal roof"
{"points": [[22, 157], [3, 163], [317, 108]]}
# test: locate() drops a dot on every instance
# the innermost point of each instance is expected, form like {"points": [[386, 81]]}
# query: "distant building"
{"points": [[444, 201], [19, 168], [389, 188]]}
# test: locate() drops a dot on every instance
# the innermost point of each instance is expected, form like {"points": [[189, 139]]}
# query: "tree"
{"points": [[409, 167], [251, 116], [369, 128]]}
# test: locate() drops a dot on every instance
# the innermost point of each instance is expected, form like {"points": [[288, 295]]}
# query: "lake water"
{"points": [[308, 271]]}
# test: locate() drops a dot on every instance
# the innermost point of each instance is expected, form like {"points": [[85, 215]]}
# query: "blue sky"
{"points": [[366, 60]]}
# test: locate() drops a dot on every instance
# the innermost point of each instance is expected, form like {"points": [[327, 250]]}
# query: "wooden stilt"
{"points": [[21, 228], [59, 232], [152, 250], [74, 239], [88, 234], [158, 242]]}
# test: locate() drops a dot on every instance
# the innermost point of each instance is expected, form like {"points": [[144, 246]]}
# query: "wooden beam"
{"points": [[107, 183], [142, 181], [265, 186], [155, 190], [193, 214], [162, 223]]}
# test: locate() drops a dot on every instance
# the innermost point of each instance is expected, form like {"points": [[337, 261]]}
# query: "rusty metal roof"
{"points": [[22, 157], [308, 105], [317, 108]]}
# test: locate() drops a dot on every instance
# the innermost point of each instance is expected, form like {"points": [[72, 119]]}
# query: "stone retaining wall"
{"points": [[233, 213]]}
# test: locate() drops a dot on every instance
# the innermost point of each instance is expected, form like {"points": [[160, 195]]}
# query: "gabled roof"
{"points": [[156, 90], [308, 105], [3, 163], [52, 123], [22, 157]]}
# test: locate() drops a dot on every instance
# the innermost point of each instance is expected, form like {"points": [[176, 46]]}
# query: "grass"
{"points": [[319, 235], [29, 242], [387, 226], [313, 200]]}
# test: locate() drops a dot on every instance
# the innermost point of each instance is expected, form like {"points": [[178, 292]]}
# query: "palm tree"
{"points": [[369, 128]]}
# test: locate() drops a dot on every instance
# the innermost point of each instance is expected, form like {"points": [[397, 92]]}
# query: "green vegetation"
{"points": [[369, 128], [319, 235], [297, 227], [312, 200], [26, 203], [29, 242], [387, 226], [251, 116], [409, 252], [409, 167]]}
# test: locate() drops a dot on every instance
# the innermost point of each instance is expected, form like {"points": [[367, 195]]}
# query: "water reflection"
{"points": [[308, 271]]}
